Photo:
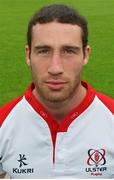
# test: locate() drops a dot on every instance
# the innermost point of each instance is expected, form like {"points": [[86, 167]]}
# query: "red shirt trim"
{"points": [[6, 109], [53, 125], [108, 102]]}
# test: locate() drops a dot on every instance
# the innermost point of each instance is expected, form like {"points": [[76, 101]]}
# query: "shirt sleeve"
{"points": [[2, 172], [1, 168]]}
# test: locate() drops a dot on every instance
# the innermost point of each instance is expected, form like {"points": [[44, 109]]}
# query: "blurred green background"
{"points": [[15, 76]]}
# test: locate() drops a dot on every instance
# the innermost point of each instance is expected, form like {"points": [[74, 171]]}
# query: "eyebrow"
{"points": [[72, 47], [47, 46], [41, 47]]}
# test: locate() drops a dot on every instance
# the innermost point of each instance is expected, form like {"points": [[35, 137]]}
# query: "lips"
{"points": [[55, 85]]}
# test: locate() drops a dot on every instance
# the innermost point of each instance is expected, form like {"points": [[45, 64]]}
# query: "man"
{"points": [[61, 127]]}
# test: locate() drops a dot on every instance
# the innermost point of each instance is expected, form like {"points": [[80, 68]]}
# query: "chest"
{"points": [[84, 151]]}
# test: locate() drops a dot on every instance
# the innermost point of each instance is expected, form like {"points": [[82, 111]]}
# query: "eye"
{"points": [[43, 51], [70, 51]]}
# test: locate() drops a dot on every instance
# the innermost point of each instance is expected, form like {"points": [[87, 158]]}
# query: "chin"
{"points": [[54, 97]]}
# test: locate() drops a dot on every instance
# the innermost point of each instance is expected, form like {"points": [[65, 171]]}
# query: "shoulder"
{"points": [[7, 108], [106, 100]]}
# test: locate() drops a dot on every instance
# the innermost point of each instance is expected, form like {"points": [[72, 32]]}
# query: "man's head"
{"points": [[56, 52], [61, 14]]}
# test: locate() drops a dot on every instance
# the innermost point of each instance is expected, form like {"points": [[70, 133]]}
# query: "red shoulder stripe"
{"points": [[6, 109], [108, 102]]}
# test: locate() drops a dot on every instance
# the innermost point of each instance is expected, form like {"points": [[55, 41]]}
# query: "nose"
{"points": [[56, 65]]}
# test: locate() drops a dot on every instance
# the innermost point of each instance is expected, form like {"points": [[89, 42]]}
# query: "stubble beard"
{"points": [[45, 94]]}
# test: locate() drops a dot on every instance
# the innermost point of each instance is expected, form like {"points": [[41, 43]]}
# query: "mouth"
{"points": [[55, 85]]}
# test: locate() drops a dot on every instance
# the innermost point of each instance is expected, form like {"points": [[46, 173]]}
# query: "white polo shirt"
{"points": [[34, 145]]}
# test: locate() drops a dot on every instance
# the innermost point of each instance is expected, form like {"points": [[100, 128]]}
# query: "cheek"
{"points": [[38, 67], [74, 69]]}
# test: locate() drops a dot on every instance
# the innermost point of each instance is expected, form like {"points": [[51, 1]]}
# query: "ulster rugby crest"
{"points": [[96, 162], [96, 157]]}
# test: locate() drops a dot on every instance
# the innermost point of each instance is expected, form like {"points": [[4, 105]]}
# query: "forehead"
{"points": [[56, 33]]}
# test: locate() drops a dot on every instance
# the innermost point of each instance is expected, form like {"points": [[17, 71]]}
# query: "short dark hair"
{"points": [[58, 13]]}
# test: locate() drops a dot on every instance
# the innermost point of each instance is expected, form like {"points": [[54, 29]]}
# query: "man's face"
{"points": [[56, 60]]}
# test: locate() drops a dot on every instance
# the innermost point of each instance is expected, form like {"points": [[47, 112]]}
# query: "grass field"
{"points": [[14, 16]]}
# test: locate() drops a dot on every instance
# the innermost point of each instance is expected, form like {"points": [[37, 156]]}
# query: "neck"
{"points": [[60, 109]]}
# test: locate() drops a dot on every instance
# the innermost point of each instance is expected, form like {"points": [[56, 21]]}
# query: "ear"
{"points": [[87, 55], [27, 54]]}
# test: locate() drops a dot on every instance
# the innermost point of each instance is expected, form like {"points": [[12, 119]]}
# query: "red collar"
{"points": [[53, 125]]}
